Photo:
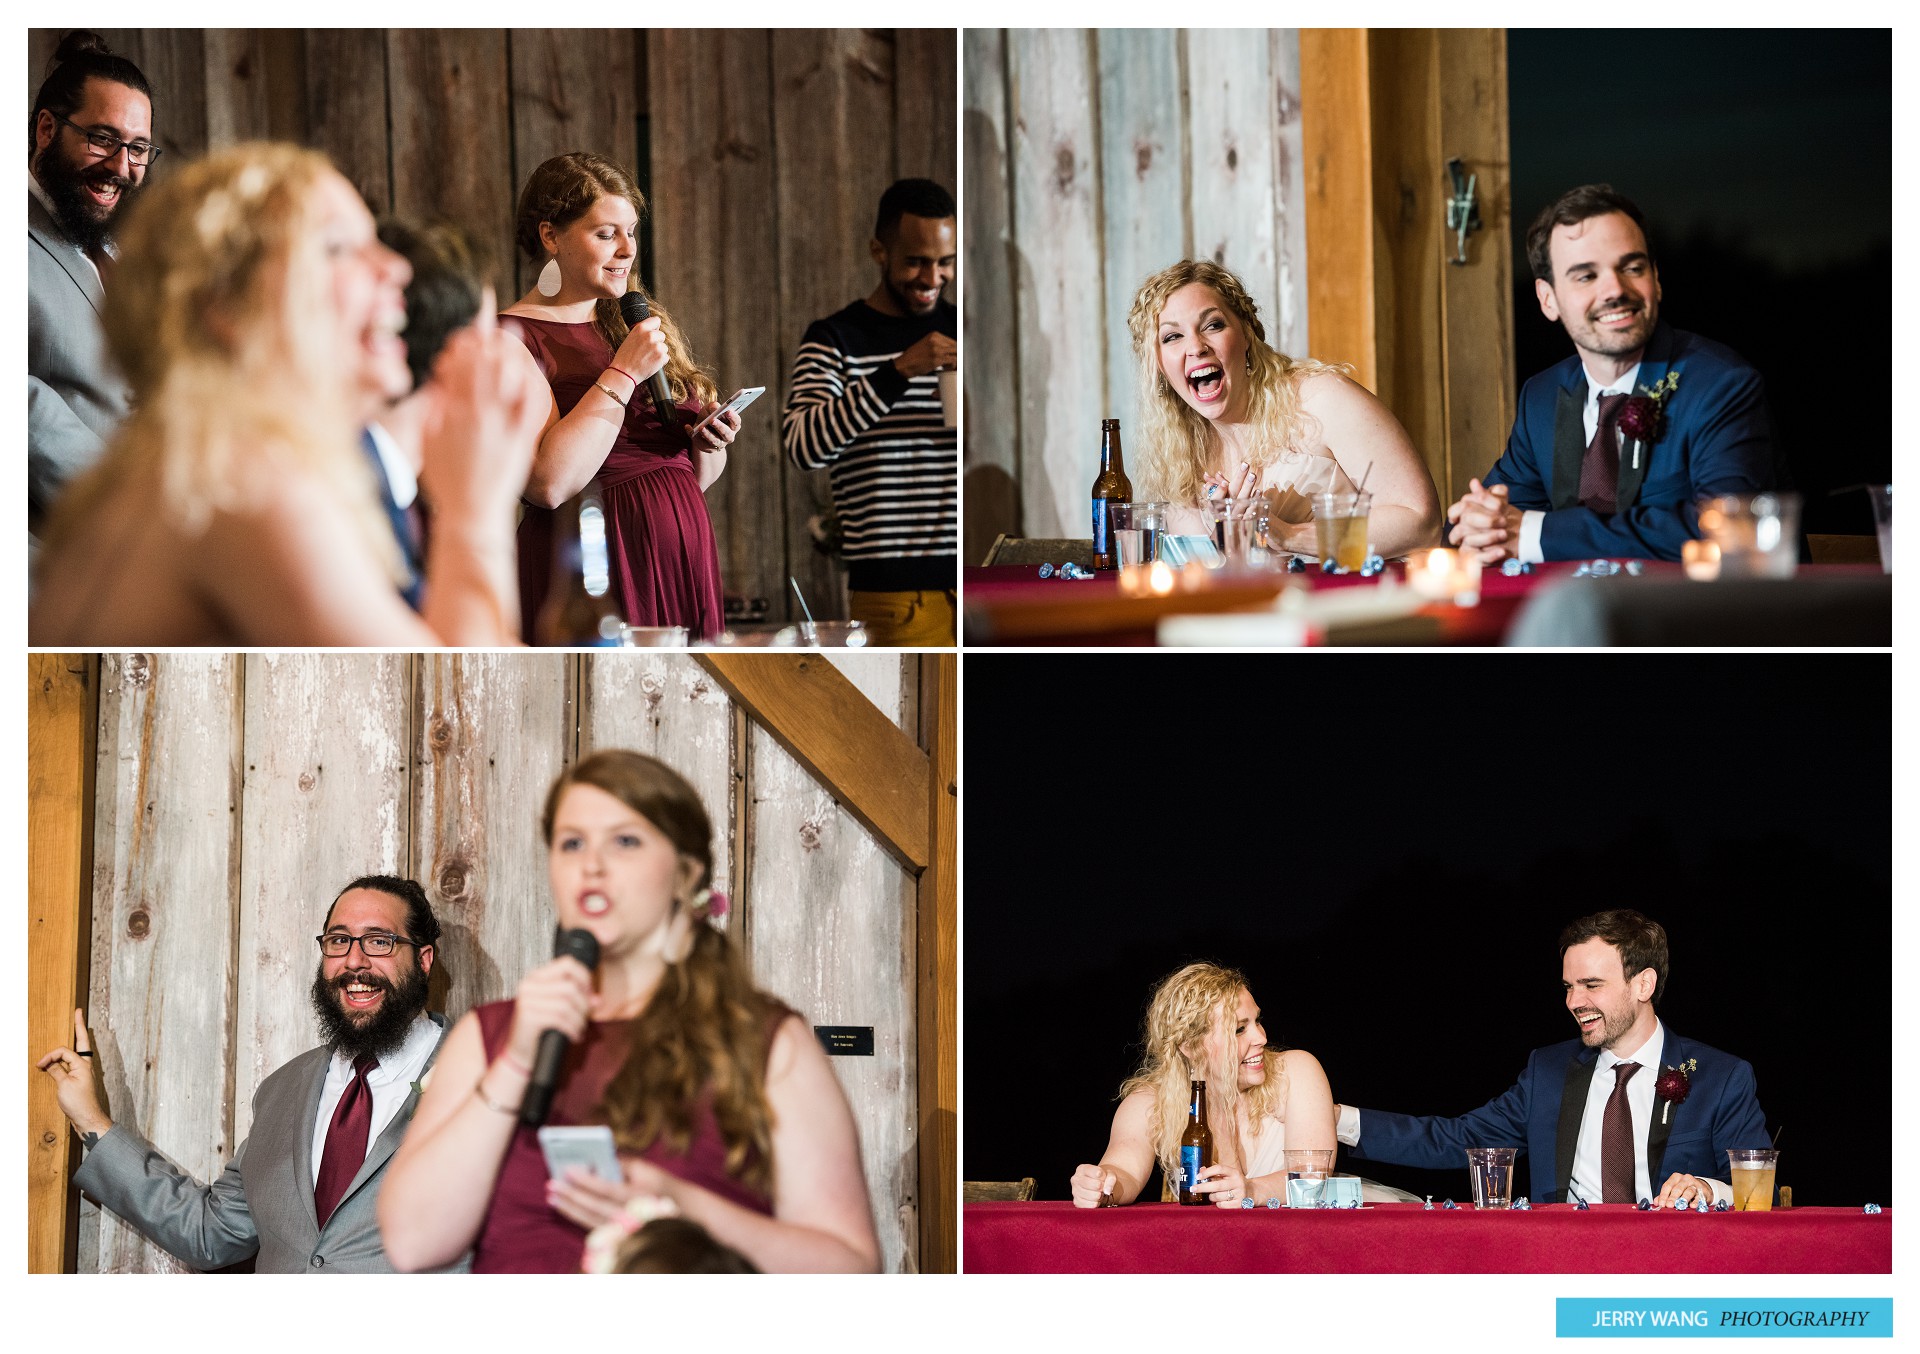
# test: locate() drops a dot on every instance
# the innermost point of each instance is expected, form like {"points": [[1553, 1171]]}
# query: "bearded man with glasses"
{"points": [[299, 1194], [89, 146]]}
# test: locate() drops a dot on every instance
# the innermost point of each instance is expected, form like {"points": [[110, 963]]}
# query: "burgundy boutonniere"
{"points": [[1644, 416], [1674, 1085]]}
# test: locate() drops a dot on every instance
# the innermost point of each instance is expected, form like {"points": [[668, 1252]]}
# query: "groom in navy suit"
{"points": [[1603, 1116], [1611, 448]]}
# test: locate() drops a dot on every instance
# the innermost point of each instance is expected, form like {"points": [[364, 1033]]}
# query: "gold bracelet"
{"points": [[608, 392], [479, 1089]]}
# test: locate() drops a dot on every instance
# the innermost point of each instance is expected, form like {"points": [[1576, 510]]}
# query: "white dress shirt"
{"points": [[1586, 1154], [390, 1082], [1585, 1181], [404, 484], [1589, 419]]}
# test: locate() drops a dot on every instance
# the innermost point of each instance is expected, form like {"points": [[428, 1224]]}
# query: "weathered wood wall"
{"points": [[762, 153], [235, 794], [1094, 159]]}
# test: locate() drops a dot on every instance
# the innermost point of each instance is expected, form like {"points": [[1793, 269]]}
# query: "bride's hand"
{"points": [[1240, 488], [1223, 1186], [1093, 1187]]}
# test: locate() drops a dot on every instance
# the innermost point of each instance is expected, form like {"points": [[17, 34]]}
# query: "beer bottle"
{"points": [[1196, 1146], [579, 611], [1112, 486]]}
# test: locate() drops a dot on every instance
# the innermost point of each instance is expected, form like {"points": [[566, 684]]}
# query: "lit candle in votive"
{"points": [[1444, 575], [1159, 578], [1432, 574], [1701, 560]]}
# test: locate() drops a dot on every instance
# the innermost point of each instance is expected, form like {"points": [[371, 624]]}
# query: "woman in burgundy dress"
{"points": [[578, 218], [719, 1097]]}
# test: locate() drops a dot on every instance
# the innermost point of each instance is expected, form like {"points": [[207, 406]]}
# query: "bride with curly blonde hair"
{"points": [[1225, 413], [257, 319], [1203, 1025]]}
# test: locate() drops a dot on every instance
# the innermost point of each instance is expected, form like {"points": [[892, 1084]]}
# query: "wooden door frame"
{"points": [[1381, 111], [63, 705]]}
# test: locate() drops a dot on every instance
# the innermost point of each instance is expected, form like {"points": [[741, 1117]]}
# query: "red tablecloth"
{"points": [[1057, 1238], [1011, 604]]}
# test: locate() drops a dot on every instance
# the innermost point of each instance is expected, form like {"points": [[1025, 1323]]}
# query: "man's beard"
{"points": [[906, 303], [378, 1034], [78, 214]]}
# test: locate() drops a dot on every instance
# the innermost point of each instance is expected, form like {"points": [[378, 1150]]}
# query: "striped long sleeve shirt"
{"points": [[894, 466]]}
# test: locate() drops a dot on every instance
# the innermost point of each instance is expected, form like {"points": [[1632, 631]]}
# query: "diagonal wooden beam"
{"points": [[864, 759]]}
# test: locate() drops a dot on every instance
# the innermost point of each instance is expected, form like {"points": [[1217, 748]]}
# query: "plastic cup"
{"points": [[1882, 496], [1307, 1171], [1491, 1169], [1340, 528], [1136, 532], [1752, 1174], [1758, 534], [653, 636]]}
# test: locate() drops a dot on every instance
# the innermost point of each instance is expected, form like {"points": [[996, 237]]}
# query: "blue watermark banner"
{"points": [[1670, 1318]]}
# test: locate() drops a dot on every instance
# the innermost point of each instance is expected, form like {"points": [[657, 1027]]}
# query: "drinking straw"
{"points": [[805, 610], [1361, 487]]}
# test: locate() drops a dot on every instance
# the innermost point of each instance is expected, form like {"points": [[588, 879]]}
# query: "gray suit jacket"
{"points": [[75, 396], [263, 1202]]}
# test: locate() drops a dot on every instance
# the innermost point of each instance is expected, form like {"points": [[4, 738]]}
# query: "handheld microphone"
{"points": [[553, 1044], [633, 309]]}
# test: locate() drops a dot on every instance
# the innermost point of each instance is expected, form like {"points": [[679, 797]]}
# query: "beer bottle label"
{"points": [[1189, 1168], [1100, 520]]}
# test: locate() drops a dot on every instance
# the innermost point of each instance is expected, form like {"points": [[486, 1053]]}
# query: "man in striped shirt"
{"points": [[865, 403]]}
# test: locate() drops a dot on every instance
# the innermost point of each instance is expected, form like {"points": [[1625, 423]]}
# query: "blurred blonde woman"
{"points": [[1226, 414], [1203, 1025], [257, 319]]}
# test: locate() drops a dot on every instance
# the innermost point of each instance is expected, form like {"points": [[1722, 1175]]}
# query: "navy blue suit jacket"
{"points": [[1541, 1116], [403, 530], [1717, 440]]}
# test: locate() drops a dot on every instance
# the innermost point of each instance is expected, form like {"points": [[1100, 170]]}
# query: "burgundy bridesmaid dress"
{"points": [[665, 563]]}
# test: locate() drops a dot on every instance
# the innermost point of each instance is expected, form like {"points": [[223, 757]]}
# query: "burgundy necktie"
{"points": [[1600, 467], [347, 1141], [1616, 1140]]}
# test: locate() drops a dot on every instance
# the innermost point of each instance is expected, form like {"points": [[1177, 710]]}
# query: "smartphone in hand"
{"points": [[589, 1145], [738, 401]]}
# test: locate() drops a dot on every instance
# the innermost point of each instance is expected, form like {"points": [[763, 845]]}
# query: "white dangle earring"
{"points": [[548, 283]]}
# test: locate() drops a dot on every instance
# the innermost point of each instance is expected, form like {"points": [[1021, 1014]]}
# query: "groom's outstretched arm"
{"points": [[1434, 1142]]}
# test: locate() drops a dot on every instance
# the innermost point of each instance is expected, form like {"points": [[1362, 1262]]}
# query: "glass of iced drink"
{"points": [[1752, 1180], [1340, 525]]}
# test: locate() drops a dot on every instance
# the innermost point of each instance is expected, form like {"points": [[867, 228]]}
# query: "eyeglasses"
{"points": [[374, 944], [107, 145]]}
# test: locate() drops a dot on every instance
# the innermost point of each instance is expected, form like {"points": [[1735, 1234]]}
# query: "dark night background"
{"points": [[1763, 162], [1126, 815]]}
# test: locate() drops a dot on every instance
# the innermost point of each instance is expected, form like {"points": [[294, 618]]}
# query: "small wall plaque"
{"points": [[846, 1041]]}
